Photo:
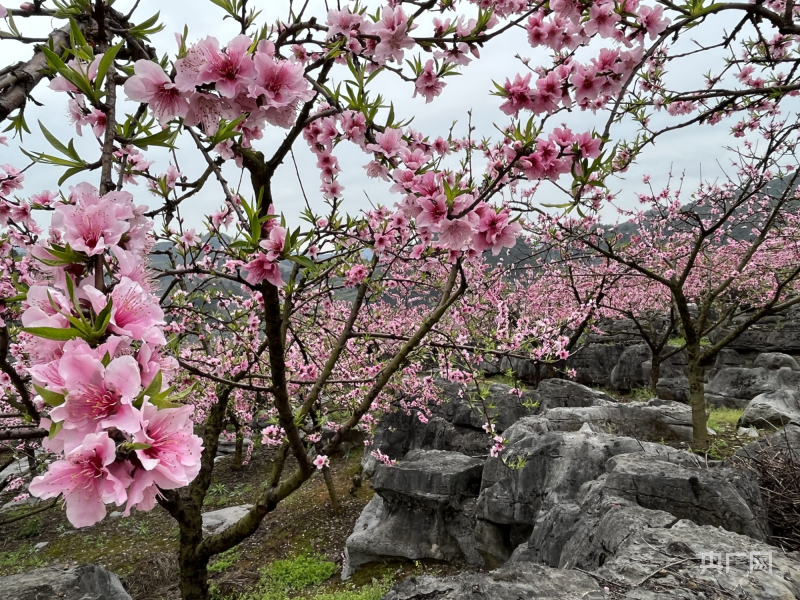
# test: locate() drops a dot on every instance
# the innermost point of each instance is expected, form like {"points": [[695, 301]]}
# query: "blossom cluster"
{"points": [[92, 344]]}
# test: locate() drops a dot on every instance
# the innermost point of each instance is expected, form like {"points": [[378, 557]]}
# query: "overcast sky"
{"points": [[688, 150]]}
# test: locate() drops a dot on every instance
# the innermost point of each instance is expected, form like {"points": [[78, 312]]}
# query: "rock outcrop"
{"points": [[84, 582]]}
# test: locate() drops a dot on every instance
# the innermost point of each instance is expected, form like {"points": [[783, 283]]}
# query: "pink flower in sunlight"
{"points": [[206, 110], [99, 396], [392, 30], [134, 312], [229, 70], [262, 268], [85, 479], [321, 461], [153, 86], [434, 212], [280, 82], [356, 275]]}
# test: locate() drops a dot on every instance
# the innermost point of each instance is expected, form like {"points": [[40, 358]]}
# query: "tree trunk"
{"points": [[697, 399], [326, 474], [655, 373], [193, 571], [238, 457]]}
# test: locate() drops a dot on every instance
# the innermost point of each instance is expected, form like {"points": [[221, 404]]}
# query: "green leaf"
{"points": [[137, 446], [303, 261], [51, 398], [55, 428], [105, 65], [155, 386], [53, 333]]}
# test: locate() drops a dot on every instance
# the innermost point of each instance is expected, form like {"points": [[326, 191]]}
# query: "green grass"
{"points": [[20, 560], [224, 561], [721, 418], [301, 577], [642, 394]]}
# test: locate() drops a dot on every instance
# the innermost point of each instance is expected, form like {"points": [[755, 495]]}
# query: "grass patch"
{"points": [[23, 559], [641, 394], [224, 561], [722, 418], [301, 577]]}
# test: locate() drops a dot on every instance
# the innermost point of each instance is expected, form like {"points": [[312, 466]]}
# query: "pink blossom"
{"points": [[134, 312], [86, 480], [173, 458], [274, 244], [93, 224], [280, 82], [455, 234], [262, 268], [653, 20], [517, 94], [151, 85], [11, 181], [428, 83], [392, 30], [321, 461], [229, 70], [99, 396], [389, 143], [356, 275], [207, 110]]}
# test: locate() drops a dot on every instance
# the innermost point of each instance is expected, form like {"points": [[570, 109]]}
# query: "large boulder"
{"points": [[774, 361], [629, 372], [673, 388], [217, 521], [518, 581], [83, 582], [593, 363], [536, 473], [424, 507], [734, 387], [773, 409], [668, 564], [462, 407], [778, 333], [555, 393], [723, 497], [655, 420]]}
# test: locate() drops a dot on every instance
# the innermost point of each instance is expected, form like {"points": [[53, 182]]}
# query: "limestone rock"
{"points": [[593, 363], [774, 409], [84, 582], [723, 497], [654, 420], [217, 521], [734, 387], [555, 393], [629, 372], [424, 508], [776, 360], [526, 581]]}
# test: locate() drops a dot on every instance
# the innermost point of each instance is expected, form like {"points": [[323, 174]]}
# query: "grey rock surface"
{"points": [[775, 360], [555, 393], [424, 507], [430, 474], [673, 388], [629, 372], [217, 521], [654, 420], [667, 564], [773, 409], [593, 363], [722, 497], [515, 582], [734, 387], [84, 582]]}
